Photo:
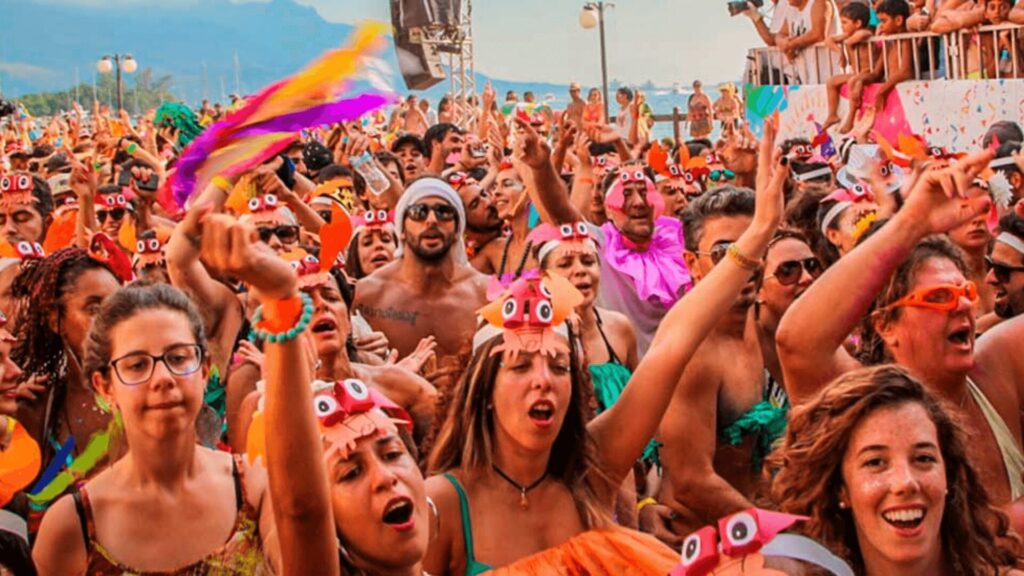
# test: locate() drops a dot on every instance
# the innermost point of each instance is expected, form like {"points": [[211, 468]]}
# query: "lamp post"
{"points": [[593, 15], [117, 63]]}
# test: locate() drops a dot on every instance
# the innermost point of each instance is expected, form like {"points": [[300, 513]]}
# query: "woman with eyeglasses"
{"points": [[908, 289], [169, 505]]}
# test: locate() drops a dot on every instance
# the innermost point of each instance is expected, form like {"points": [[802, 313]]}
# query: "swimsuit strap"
{"points": [[600, 328], [472, 566], [237, 475], [85, 520], [1013, 460]]}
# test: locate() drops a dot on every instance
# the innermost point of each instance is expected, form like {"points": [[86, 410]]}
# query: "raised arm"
{"points": [[812, 332], [955, 16], [622, 432], [548, 190], [299, 490]]}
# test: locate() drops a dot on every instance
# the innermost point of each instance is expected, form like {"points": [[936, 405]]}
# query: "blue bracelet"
{"points": [[290, 334]]}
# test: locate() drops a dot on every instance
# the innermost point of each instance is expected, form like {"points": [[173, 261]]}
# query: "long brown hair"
{"points": [[871, 350], [974, 534], [465, 440]]}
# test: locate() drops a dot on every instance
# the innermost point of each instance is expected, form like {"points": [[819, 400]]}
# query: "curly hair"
{"points": [[40, 288], [872, 349], [975, 535], [465, 437]]}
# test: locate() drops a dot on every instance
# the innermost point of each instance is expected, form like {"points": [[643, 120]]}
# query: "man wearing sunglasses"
{"points": [[111, 209], [430, 289], [1006, 267]]}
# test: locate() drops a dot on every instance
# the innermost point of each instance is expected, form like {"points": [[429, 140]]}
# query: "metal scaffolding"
{"points": [[455, 42]]}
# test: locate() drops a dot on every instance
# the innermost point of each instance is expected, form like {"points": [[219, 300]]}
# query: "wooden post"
{"points": [[676, 120]]}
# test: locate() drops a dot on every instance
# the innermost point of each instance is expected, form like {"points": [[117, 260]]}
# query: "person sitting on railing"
{"points": [[982, 57], [795, 26], [896, 66], [854, 53]]}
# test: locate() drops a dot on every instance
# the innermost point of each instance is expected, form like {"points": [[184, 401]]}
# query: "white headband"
{"points": [[11, 522], [549, 246], [1011, 241], [816, 173], [832, 214], [424, 188], [1003, 162]]}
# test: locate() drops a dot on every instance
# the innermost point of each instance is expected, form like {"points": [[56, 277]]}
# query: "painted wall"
{"points": [[950, 113]]}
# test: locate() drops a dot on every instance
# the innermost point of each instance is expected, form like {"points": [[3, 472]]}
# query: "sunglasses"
{"points": [[284, 233], [941, 297], [419, 212], [790, 271], [115, 214], [717, 252], [1001, 271], [718, 175]]}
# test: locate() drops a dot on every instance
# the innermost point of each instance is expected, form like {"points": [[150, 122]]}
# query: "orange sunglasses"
{"points": [[941, 297]]}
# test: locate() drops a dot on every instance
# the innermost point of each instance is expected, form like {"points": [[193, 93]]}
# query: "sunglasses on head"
{"points": [[941, 297], [284, 233], [115, 214], [1000, 270], [790, 271], [419, 212]]}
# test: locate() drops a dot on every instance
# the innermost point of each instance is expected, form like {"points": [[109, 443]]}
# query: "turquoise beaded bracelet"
{"points": [[290, 334]]}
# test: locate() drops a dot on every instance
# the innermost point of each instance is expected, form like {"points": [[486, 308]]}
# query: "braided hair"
{"points": [[40, 287]]}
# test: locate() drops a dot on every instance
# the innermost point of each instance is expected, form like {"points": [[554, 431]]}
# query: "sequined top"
{"points": [[242, 553]]}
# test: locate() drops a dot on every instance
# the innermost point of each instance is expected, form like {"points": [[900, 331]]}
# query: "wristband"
{"points": [[131, 149], [296, 311], [643, 503], [742, 260]]}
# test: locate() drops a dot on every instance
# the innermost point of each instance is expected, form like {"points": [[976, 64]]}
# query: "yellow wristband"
{"points": [[222, 183], [641, 504], [743, 261]]}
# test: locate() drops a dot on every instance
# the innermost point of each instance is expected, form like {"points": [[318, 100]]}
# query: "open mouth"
{"points": [[381, 258], [398, 513], [324, 324], [905, 519], [961, 337], [9, 392], [542, 412]]}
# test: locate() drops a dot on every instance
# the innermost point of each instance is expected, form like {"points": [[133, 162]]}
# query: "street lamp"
{"points": [[593, 15], [117, 63]]}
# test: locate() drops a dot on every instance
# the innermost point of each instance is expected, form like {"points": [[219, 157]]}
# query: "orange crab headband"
{"points": [[22, 250], [615, 199], [149, 252], [16, 190], [531, 314], [739, 545], [334, 238], [350, 410], [844, 198], [374, 219], [576, 237]]}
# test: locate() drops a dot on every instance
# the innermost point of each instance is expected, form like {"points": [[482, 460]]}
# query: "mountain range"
{"points": [[47, 47]]}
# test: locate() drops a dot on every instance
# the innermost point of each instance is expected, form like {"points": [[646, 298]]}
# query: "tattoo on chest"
{"points": [[390, 313]]}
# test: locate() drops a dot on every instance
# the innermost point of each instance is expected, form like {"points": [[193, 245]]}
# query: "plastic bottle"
{"points": [[376, 181]]}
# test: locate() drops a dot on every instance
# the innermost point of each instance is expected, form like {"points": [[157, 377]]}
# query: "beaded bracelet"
{"points": [[290, 334], [742, 260]]}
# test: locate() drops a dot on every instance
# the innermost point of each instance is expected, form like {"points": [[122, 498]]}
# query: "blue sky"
{"points": [[665, 41]]}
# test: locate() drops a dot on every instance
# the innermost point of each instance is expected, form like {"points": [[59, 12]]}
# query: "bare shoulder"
{"points": [[616, 321], [60, 544]]}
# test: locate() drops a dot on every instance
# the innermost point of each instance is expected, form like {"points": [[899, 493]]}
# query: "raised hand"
{"points": [[530, 148], [772, 170], [943, 198], [232, 248]]}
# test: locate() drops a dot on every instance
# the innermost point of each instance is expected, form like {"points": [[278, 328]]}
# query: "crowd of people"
{"points": [[510, 338]]}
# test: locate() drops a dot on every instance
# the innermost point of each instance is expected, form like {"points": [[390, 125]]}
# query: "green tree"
{"points": [[141, 91]]}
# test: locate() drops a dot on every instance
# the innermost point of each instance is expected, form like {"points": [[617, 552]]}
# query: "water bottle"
{"points": [[375, 180]]}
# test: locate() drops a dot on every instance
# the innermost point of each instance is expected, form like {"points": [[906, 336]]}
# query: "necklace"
{"points": [[523, 490]]}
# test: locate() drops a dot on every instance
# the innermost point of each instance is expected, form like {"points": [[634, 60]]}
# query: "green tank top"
{"points": [[472, 566]]}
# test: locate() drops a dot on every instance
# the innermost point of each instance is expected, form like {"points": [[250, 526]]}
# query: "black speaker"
{"points": [[406, 14], [420, 65]]}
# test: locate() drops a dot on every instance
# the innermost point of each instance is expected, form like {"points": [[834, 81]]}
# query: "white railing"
{"points": [[989, 52]]}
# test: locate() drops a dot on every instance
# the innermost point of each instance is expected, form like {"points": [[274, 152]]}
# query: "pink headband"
{"points": [[615, 199]]}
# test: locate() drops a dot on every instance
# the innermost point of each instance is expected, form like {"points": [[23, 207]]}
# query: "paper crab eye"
{"points": [[935, 151], [544, 290], [109, 200], [509, 309], [624, 176], [324, 406], [602, 161], [310, 259], [24, 182], [254, 204], [565, 230], [710, 158], [382, 216], [294, 264], [154, 244], [370, 217], [37, 248], [740, 533], [884, 170], [545, 313], [638, 176], [700, 550], [270, 200], [140, 246], [5, 183], [688, 178], [581, 229], [120, 199], [24, 248], [356, 389], [673, 170], [858, 190]]}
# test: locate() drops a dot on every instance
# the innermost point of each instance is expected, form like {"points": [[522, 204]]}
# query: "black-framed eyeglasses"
{"points": [[135, 368], [115, 214], [285, 233], [1001, 270], [790, 271], [717, 252], [419, 212]]}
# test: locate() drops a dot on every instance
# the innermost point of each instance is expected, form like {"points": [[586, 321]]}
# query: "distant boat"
{"points": [[677, 88]]}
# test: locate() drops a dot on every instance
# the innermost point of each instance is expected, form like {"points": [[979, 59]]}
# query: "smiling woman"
{"points": [[881, 469]]}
